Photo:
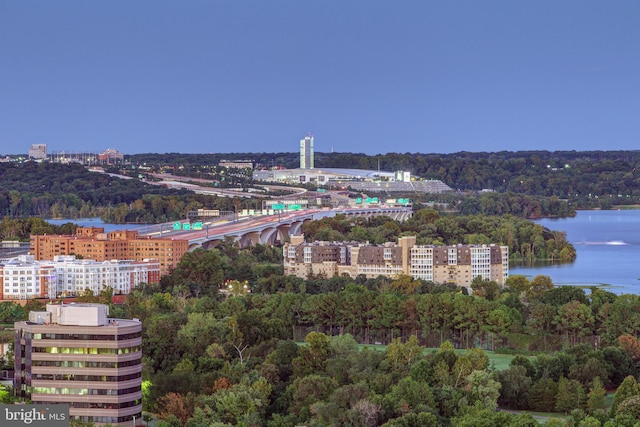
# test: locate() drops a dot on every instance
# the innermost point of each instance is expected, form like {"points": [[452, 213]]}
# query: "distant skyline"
{"points": [[370, 77]]}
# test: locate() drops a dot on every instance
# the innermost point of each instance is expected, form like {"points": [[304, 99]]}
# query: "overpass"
{"points": [[267, 229]]}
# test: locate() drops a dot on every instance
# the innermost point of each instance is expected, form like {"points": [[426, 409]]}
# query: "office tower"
{"points": [[76, 355], [306, 152]]}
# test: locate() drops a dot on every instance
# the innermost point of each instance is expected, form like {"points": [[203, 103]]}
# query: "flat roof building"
{"points": [[93, 243], [38, 151], [76, 355], [306, 152], [24, 277], [458, 264]]}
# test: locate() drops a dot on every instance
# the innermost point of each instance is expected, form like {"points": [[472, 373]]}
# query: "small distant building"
{"points": [[458, 264], [110, 156], [237, 164], [38, 151], [76, 355]]}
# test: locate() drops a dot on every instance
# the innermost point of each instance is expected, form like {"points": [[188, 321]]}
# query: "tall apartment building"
{"points": [[93, 243], [306, 152], [74, 354], [25, 278], [458, 264]]}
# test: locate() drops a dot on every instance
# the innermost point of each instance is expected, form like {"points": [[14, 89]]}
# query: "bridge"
{"points": [[264, 229]]}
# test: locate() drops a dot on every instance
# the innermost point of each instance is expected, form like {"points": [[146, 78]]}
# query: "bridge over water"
{"points": [[267, 229]]}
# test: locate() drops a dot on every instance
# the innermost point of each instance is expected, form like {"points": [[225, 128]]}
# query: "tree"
{"points": [[369, 411], [423, 419], [542, 395], [539, 286], [627, 389], [310, 389], [483, 389], [596, 396], [402, 355], [575, 320], [570, 395], [488, 289], [518, 283], [204, 268], [175, 404], [630, 406], [312, 358], [514, 392], [631, 345]]}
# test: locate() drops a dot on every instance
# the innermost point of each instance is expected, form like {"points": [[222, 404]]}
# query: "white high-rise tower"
{"points": [[306, 152]]}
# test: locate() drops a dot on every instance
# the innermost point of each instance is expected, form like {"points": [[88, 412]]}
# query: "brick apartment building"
{"points": [[94, 243]]}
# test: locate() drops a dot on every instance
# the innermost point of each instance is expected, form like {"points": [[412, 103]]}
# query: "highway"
{"points": [[176, 181], [224, 225], [218, 228]]}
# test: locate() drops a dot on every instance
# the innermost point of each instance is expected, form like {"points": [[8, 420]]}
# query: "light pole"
{"points": [[134, 421]]}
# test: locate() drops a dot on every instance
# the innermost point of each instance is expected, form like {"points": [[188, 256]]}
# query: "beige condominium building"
{"points": [[76, 355], [458, 264]]}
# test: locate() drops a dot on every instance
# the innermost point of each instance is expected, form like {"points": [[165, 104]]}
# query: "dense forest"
{"points": [[52, 190], [218, 353]]}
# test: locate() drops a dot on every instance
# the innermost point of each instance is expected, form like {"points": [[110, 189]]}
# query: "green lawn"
{"points": [[496, 361]]}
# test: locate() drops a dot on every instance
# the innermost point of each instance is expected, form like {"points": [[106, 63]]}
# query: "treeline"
{"points": [[21, 229], [492, 203], [590, 178], [526, 240], [52, 190], [70, 191]]}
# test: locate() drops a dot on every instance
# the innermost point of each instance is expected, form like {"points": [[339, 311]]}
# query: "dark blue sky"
{"points": [[362, 76]]}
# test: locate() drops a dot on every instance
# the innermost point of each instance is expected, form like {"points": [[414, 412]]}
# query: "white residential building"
{"points": [[26, 278]]}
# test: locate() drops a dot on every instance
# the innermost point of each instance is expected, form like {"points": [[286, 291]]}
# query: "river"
{"points": [[96, 222], [608, 251]]}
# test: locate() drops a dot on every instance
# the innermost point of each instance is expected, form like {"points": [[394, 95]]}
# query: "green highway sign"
{"points": [[177, 226], [186, 226], [295, 207], [278, 206], [358, 200], [197, 226]]}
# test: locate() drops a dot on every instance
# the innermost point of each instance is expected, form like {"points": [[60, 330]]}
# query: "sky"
{"points": [[362, 76]]}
